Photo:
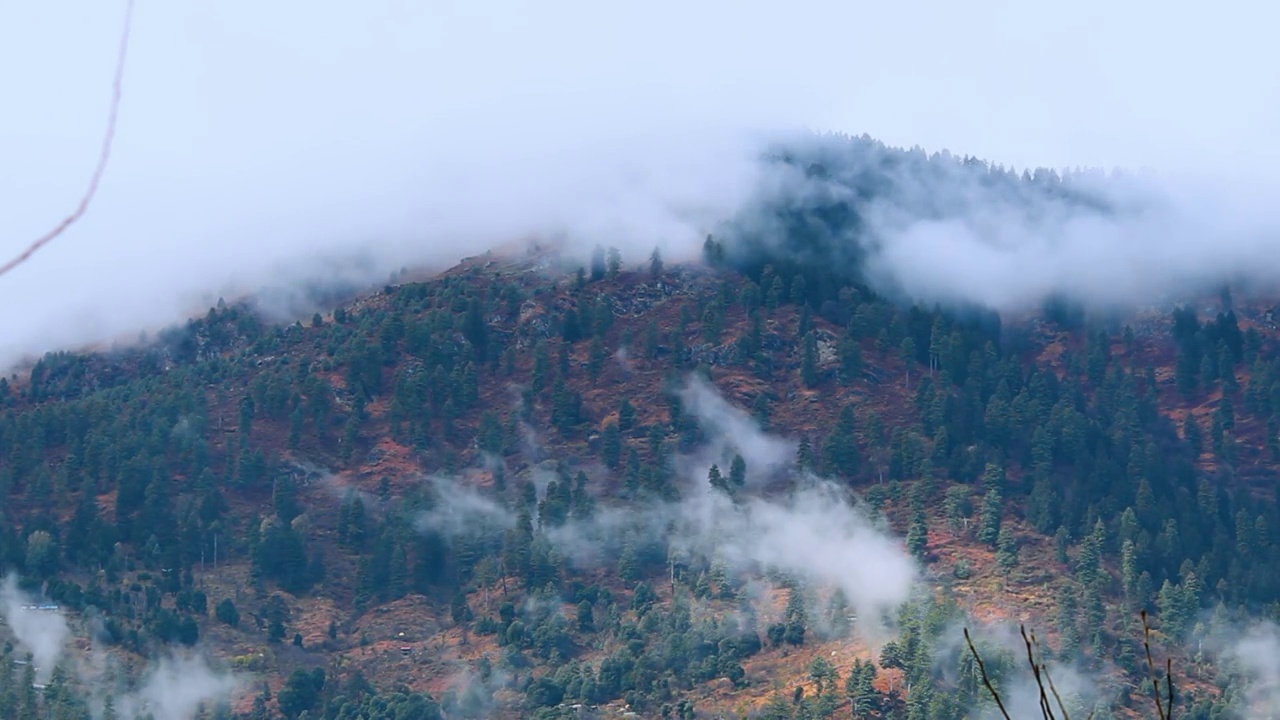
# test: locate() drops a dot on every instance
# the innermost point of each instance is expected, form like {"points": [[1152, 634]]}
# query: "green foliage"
{"points": [[918, 535], [989, 521], [165, 459], [840, 450], [655, 263], [1006, 549], [227, 613], [737, 472], [301, 692], [809, 361]]}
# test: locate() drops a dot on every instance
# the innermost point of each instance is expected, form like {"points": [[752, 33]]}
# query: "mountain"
{"points": [[764, 485]]}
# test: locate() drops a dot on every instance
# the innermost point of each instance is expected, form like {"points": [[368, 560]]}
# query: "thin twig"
{"points": [[1035, 671], [1042, 676], [1151, 666], [1045, 669], [103, 157], [1061, 705], [982, 668]]}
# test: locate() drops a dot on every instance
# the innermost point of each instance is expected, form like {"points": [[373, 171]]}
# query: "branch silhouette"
{"points": [[1040, 672], [103, 157]]}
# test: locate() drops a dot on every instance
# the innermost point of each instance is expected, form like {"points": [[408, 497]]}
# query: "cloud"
{"points": [[947, 228], [1021, 694], [176, 687], [1003, 650], [474, 693], [1013, 258], [1249, 652], [732, 430], [173, 687], [815, 532], [265, 146], [815, 535], [39, 626], [1231, 649], [1257, 654], [458, 509], [601, 538]]}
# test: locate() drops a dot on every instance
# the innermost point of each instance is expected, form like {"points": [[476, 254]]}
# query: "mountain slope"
{"points": [[497, 482]]}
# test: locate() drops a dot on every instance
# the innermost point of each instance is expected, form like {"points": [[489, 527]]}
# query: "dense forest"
{"points": [[504, 458]]}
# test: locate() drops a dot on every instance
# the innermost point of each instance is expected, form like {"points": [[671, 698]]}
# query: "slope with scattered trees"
{"points": [[261, 490]]}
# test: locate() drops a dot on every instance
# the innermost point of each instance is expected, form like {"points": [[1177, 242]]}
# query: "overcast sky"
{"points": [[253, 135]]}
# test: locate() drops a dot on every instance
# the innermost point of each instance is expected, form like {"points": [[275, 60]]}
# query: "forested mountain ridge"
{"points": [[470, 487]]}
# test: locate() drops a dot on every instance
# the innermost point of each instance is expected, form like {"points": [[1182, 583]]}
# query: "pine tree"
{"points": [[804, 454], [596, 358], [760, 410], [798, 290], [717, 481], [296, 420], [778, 289], [1171, 606], [989, 520], [614, 263], [956, 507], [809, 361], [1042, 504], [838, 614], [1186, 369], [850, 359], [860, 688], [598, 266], [738, 472], [840, 451], [651, 339], [629, 564], [1068, 620], [570, 329], [586, 617], [713, 322], [626, 415], [1194, 437], [918, 535], [611, 446], [796, 619], [823, 674], [1090, 557], [459, 611], [285, 498], [1007, 549], [1129, 574], [993, 478], [702, 587], [246, 417]]}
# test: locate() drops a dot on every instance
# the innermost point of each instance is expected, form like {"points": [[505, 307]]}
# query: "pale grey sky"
{"points": [[253, 135]]}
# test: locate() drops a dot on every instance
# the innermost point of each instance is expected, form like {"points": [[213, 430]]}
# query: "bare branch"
{"points": [[103, 157], [982, 668], [1045, 710], [1049, 678], [1151, 668], [1042, 676]]}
